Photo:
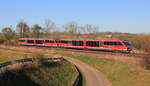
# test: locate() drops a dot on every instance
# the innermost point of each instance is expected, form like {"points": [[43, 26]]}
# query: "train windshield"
{"points": [[127, 43]]}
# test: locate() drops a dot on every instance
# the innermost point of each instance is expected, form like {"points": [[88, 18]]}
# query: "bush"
{"points": [[146, 63], [141, 42], [39, 58]]}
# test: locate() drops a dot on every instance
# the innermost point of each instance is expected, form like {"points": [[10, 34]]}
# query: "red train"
{"points": [[97, 44]]}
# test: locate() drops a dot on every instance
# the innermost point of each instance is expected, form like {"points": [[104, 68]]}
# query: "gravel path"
{"points": [[92, 76]]}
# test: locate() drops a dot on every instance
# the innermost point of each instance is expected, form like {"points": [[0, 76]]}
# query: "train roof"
{"points": [[122, 39]]}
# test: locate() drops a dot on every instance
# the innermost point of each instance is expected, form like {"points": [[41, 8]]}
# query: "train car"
{"points": [[93, 44], [116, 45], [39, 42], [27, 41], [50, 43], [96, 44], [102, 44], [63, 42], [78, 43], [22, 41]]}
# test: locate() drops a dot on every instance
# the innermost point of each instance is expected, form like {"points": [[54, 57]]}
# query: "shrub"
{"points": [[146, 63]]}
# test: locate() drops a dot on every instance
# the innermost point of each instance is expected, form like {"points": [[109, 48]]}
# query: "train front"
{"points": [[128, 45]]}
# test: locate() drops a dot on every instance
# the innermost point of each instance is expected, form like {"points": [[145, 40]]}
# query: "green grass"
{"points": [[119, 74], [55, 74], [50, 74]]}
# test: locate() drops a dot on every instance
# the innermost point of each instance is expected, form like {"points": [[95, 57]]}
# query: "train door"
{"points": [[92, 44], [77, 43], [31, 42], [39, 42], [101, 44]]}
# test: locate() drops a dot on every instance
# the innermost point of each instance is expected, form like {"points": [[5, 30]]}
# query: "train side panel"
{"points": [[50, 43], [63, 42]]}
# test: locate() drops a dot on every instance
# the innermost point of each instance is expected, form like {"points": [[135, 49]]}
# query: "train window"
{"points": [[21, 40], [57, 41], [49, 41], [77, 43], [106, 43], [118, 43], [30, 41], [39, 41], [92, 43], [127, 43], [112, 43], [64, 41]]}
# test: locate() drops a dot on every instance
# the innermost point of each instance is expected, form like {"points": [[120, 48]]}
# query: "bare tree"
{"points": [[83, 30], [23, 29], [8, 33], [36, 29], [89, 29], [49, 26], [95, 29], [71, 27]]}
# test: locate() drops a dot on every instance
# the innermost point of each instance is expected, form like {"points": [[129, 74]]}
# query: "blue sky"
{"points": [[110, 15]]}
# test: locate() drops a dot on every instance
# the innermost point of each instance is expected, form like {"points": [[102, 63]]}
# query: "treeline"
{"points": [[10, 36], [24, 30]]}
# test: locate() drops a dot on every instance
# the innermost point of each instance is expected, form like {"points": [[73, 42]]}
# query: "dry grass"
{"points": [[17, 52], [146, 63]]}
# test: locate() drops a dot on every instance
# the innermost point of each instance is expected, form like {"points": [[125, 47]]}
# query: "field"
{"points": [[52, 74]]}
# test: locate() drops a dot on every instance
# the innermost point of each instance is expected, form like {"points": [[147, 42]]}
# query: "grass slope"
{"points": [[118, 73], [53, 74], [50, 74]]}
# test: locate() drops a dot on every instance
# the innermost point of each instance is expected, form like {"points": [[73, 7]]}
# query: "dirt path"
{"points": [[92, 76]]}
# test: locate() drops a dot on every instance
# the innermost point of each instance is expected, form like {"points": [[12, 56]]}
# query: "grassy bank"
{"points": [[118, 73], [50, 74]]}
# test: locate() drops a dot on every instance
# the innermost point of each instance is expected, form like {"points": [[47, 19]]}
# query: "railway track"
{"points": [[135, 55]]}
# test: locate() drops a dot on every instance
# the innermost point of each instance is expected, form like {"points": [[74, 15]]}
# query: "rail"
{"points": [[27, 60]]}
